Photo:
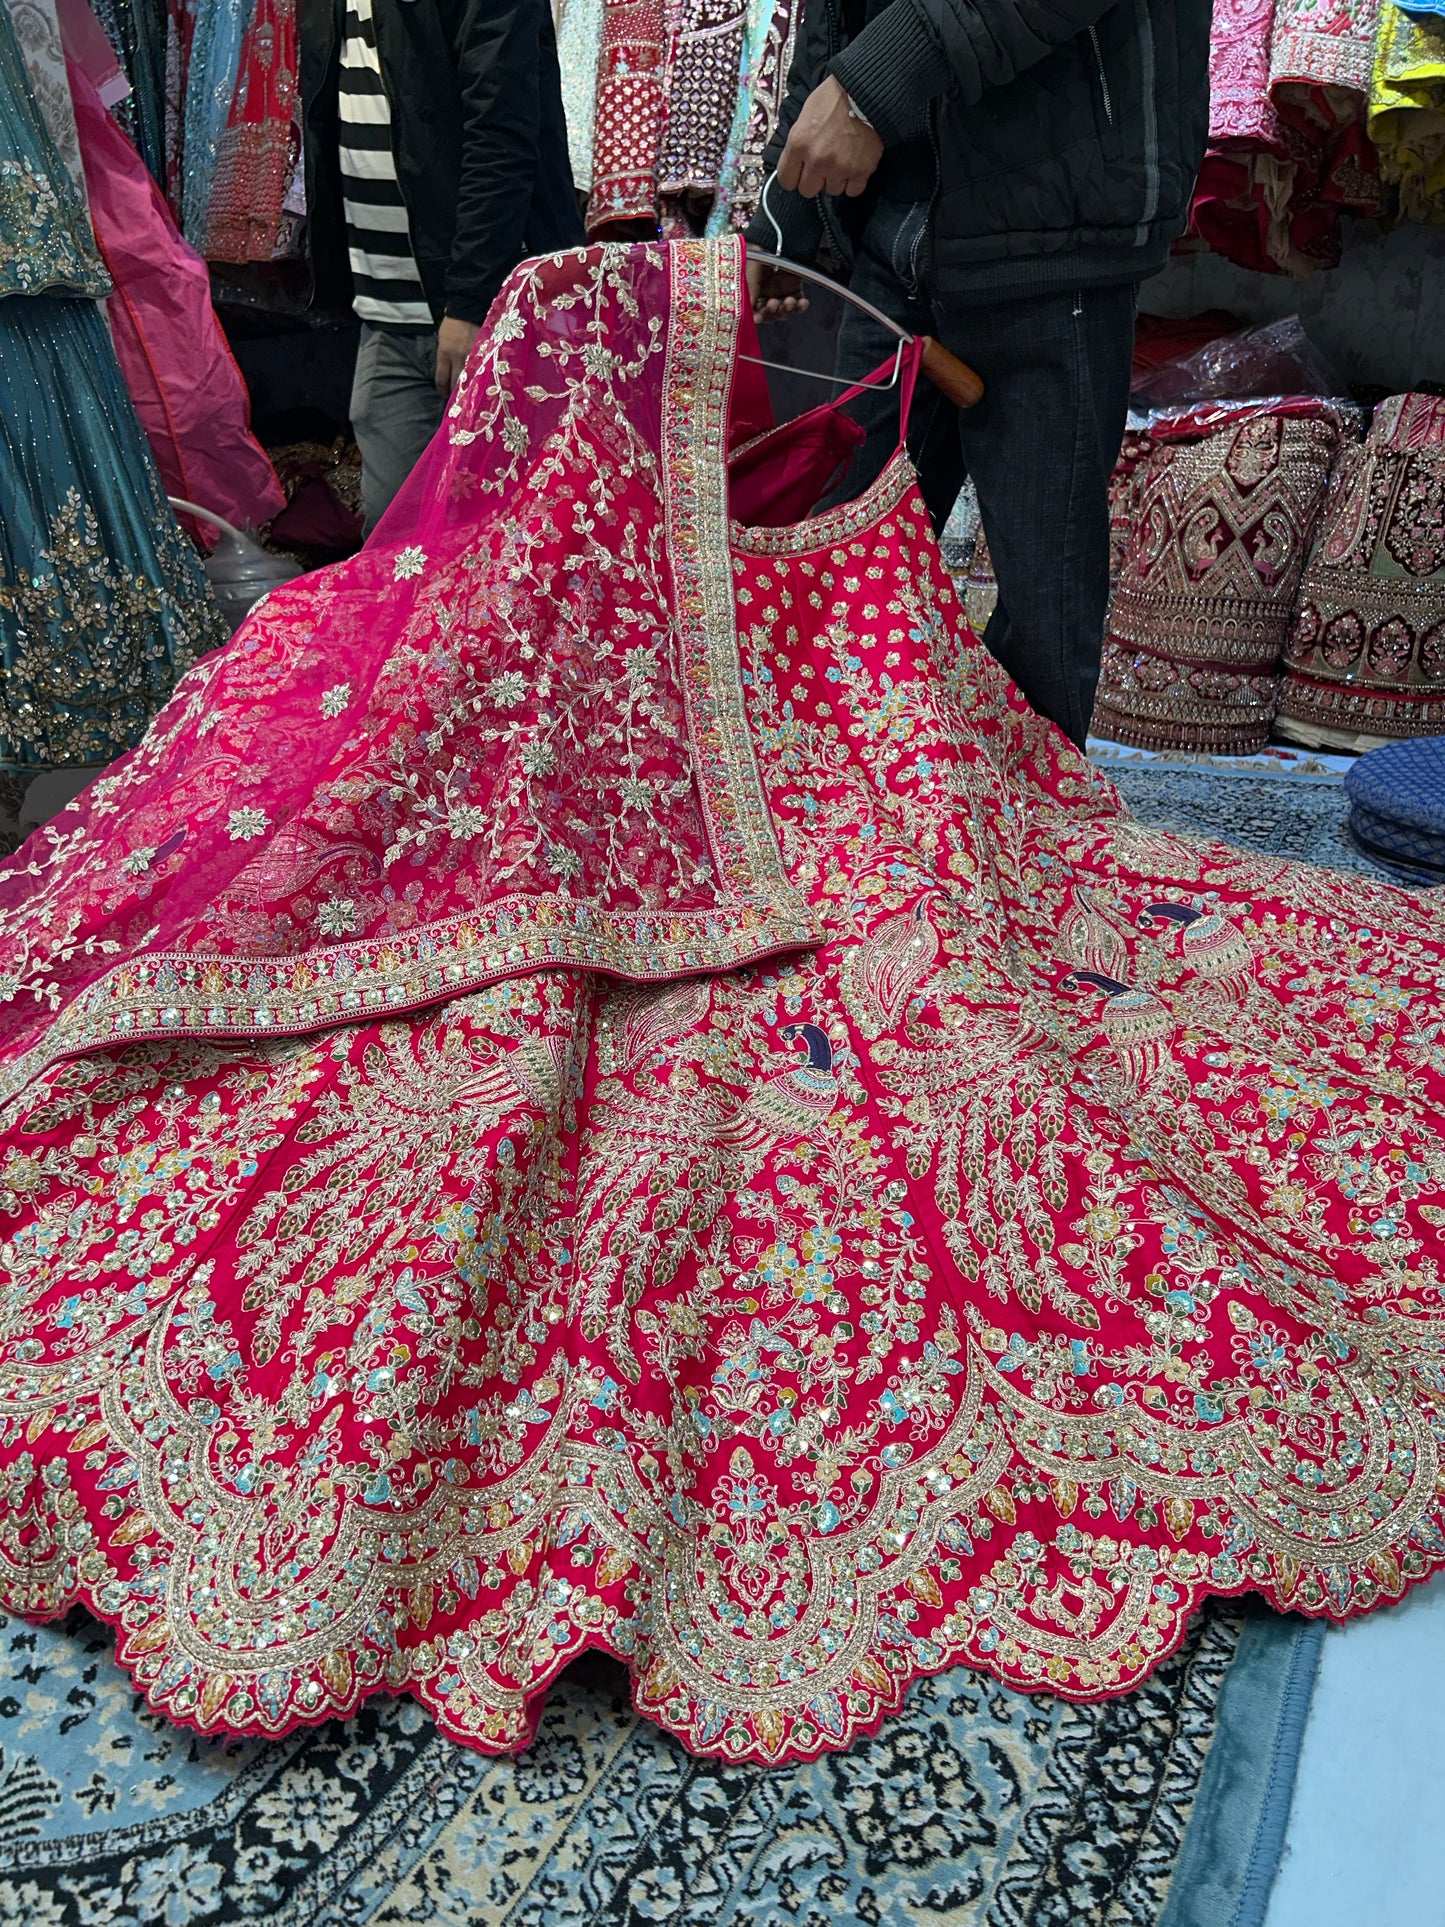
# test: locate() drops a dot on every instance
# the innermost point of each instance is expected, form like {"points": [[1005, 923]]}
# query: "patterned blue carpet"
{"points": [[976, 1808], [1298, 809]]}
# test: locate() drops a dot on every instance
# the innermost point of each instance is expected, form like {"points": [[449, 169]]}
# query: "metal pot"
{"points": [[240, 571]]}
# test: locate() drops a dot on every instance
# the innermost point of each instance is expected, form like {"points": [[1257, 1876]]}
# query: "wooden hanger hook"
{"points": [[954, 377]]}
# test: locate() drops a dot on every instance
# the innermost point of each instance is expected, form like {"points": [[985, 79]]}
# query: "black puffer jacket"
{"points": [[1066, 133]]}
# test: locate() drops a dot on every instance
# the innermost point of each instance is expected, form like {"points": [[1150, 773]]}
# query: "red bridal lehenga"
{"points": [[599, 1080]]}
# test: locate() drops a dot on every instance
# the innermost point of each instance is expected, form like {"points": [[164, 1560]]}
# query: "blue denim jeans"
{"points": [[1041, 447]]}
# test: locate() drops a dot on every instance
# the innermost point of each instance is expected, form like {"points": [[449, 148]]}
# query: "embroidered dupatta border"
{"points": [[229, 994], [702, 341]]}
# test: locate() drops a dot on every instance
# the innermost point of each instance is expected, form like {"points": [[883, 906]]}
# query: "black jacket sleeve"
{"points": [[916, 50], [497, 45]]}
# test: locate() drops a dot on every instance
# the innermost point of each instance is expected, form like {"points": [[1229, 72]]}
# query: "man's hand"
{"points": [[773, 293], [454, 344], [829, 150]]}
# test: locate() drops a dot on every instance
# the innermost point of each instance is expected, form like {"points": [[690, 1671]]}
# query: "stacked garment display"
{"points": [[1213, 515], [103, 601], [1366, 657], [1289, 80]]}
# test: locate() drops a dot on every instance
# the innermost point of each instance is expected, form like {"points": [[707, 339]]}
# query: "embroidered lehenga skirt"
{"points": [[1211, 528], [1366, 658], [600, 1080], [103, 601]]}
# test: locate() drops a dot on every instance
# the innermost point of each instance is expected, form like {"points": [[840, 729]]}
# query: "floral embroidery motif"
{"points": [[1218, 520], [1051, 1242], [515, 785], [1365, 649], [244, 824]]}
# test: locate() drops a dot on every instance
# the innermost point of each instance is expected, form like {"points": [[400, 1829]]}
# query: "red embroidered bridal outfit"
{"points": [[599, 1080]]}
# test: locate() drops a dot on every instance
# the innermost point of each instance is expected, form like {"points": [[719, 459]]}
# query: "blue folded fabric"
{"points": [[1230, 1854], [1397, 803]]}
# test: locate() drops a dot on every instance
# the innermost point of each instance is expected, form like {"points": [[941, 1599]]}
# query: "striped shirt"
{"points": [[388, 290]]}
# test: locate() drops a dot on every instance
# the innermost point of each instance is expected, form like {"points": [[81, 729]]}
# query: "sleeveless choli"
{"points": [[1049, 1239]]}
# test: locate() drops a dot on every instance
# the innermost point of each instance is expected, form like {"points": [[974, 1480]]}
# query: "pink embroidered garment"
{"points": [[1288, 80], [599, 1080], [177, 364], [631, 72]]}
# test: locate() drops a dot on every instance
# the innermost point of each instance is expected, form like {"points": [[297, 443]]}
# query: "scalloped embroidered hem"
{"points": [[1054, 1241]]}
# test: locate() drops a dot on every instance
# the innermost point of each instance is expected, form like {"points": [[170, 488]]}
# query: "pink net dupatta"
{"points": [[508, 735]]}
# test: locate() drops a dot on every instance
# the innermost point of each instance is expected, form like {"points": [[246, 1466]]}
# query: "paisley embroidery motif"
{"points": [[1052, 1243]]}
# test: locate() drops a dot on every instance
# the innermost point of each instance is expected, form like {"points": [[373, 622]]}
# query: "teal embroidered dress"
{"points": [[103, 601]]}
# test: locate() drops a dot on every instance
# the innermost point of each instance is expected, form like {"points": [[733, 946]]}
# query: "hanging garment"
{"points": [[1245, 197], [136, 31], [103, 601], [259, 149], [1219, 511], [37, 36], [180, 29], [1321, 45], [702, 92], [1240, 107], [642, 1099], [1287, 147], [1367, 647], [1407, 109], [210, 66], [769, 32], [579, 49], [46, 242], [186, 387], [628, 130], [1322, 55]]}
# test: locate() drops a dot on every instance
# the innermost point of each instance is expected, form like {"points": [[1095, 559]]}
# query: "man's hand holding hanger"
{"points": [[830, 150]]}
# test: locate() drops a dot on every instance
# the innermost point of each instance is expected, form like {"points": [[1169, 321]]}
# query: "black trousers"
{"points": [[1040, 447]]}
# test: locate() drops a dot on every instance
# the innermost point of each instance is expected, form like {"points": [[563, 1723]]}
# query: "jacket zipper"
{"points": [[937, 193], [831, 224], [1103, 77]]}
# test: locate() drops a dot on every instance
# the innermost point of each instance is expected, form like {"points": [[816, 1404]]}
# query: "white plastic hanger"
{"points": [[957, 380]]}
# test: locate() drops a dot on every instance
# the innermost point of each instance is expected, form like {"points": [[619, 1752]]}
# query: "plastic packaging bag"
{"points": [[1277, 358]]}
